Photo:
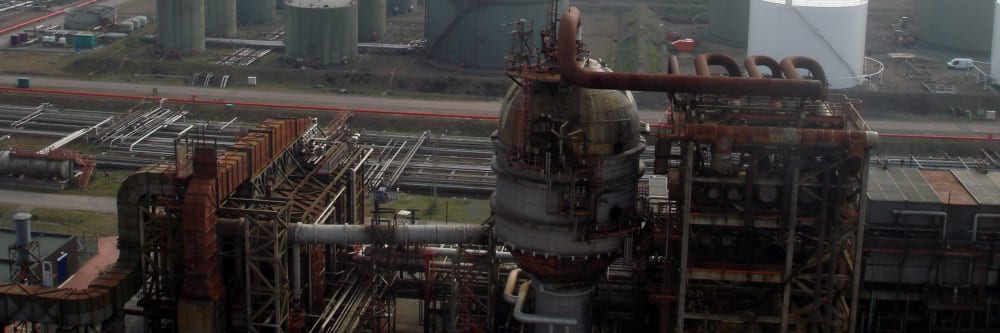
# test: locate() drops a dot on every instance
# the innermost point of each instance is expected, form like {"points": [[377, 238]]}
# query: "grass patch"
{"points": [[443, 208], [64, 221], [100, 186]]}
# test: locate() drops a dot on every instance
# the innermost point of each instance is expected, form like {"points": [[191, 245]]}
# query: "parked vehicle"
{"points": [[960, 63]]}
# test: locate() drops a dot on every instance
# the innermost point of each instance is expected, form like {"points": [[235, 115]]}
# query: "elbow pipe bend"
{"points": [[673, 66], [529, 318], [752, 62], [508, 290], [571, 72], [790, 66], [703, 61]]}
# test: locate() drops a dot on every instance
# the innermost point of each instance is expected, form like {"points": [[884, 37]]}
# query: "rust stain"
{"points": [[947, 187]]}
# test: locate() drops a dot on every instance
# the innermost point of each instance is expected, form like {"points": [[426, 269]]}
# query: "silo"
{"points": [[729, 21], [477, 34], [995, 56], [324, 32], [398, 7], [830, 31], [255, 11], [371, 19], [181, 26], [964, 25], [220, 18]]}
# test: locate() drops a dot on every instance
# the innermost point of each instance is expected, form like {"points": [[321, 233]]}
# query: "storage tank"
{"points": [[995, 56], [324, 32], [371, 20], [477, 34], [964, 25], [255, 11], [729, 21], [181, 26], [220, 18], [34, 167], [398, 7], [830, 31], [84, 18], [142, 20]]}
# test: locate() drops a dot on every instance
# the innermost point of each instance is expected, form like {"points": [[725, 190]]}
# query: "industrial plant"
{"points": [[753, 196]]}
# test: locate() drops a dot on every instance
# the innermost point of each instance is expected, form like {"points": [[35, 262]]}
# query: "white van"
{"points": [[960, 63]]}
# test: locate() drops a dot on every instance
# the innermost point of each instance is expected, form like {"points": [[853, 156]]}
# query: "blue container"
{"points": [[14, 40], [24, 82]]}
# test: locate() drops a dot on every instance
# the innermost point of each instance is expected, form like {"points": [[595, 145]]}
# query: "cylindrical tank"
{"points": [[142, 20], [135, 22], [36, 167], [181, 26], [398, 7], [830, 31], [567, 167], [371, 20], [477, 34], [255, 11], [220, 18], [964, 25], [995, 54], [22, 227], [729, 21], [324, 32]]}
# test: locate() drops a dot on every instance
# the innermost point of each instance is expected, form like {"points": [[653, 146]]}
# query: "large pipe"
{"points": [[975, 222], [790, 66], [529, 318], [673, 66], [733, 86], [508, 290], [806, 137], [331, 234], [942, 215], [703, 61], [752, 62]]}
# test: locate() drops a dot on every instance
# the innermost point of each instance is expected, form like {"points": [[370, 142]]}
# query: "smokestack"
{"points": [[22, 225]]}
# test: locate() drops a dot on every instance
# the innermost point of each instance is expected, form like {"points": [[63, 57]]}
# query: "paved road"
{"points": [[259, 94], [59, 201]]}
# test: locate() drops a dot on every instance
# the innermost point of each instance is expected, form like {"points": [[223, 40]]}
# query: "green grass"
{"points": [[64, 221], [459, 209], [101, 187]]}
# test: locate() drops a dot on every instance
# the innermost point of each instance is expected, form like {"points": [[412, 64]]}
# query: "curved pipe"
{"points": [[508, 289], [942, 215], [975, 222], [673, 66], [529, 318], [347, 234], [790, 66], [752, 62], [732, 86], [703, 61]]}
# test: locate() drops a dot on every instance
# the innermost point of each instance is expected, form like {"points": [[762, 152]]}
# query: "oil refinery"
{"points": [[754, 199]]}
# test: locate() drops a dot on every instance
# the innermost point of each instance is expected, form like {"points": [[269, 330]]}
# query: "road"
{"points": [[484, 108], [59, 201]]}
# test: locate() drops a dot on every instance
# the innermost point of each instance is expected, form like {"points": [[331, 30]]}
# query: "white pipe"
{"points": [[508, 290], [449, 251], [400, 234], [975, 222], [942, 215], [529, 318]]}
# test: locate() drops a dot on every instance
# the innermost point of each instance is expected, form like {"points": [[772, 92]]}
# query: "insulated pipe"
{"points": [[296, 272], [975, 222], [450, 251], [942, 215], [673, 66], [752, 62], [732, 86], [345, 234], [790, 66], [807, 137], [508, 290], [528, 318], [703, 61]]}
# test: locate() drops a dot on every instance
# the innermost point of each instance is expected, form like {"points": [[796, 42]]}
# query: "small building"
{"points": [[87, 17]]}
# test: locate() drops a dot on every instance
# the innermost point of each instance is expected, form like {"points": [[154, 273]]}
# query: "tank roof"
{"points": [[319, 3]]}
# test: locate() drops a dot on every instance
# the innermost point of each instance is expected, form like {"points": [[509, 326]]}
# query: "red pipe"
{"points": [[702, 61], [752, 62], [733, 86], [790, 66], [58, 12]]}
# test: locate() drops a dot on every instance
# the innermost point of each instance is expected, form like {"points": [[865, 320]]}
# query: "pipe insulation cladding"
{"points": [[346, 234]]}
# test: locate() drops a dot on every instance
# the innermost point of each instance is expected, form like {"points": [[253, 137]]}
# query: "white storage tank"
{"points": [[143, 20], [830, 31], [995, 52], [126, 26]]}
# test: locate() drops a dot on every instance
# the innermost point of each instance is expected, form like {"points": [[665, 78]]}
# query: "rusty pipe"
{"points": [[673, 66], [752, 62], [732, 86], [702, 61], [790, 66], [855, 141]]}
